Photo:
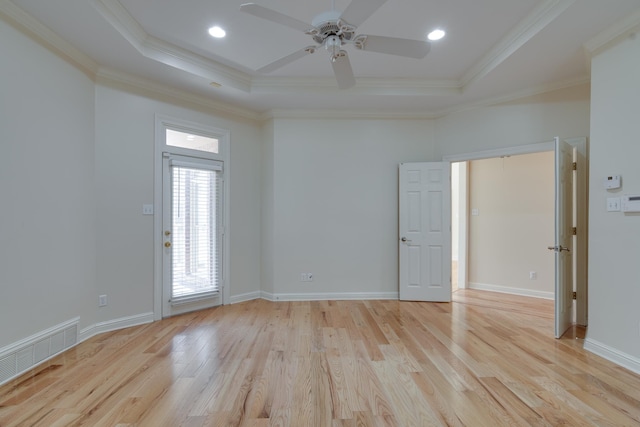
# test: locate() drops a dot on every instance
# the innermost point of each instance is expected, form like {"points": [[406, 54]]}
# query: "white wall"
{"points": [[47, 227], [508, 239], [335, 203], [124, 181], [563, 113], [614, 247]]}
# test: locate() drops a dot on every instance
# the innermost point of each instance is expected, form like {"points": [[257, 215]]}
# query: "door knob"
{"points": [[404, 239], [167, 233], [167, 244]]}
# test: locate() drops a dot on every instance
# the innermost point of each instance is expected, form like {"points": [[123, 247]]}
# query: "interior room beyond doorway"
{"points": [[502, 223]]}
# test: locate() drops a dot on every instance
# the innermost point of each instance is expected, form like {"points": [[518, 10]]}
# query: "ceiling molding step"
{"points": [[47, 38], [626, 27], [347, 114], [129, 82], [195, 64], [416, 115], [514, 96], [153, 48], [364, 86], [122, 21], [532, 24]]}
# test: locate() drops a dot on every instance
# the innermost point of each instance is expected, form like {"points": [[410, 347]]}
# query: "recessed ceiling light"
{"points": [[217, 32], [436, 35]]}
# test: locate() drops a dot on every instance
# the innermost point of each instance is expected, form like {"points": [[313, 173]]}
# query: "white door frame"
{"points": [[582, 207], [162, 122]]}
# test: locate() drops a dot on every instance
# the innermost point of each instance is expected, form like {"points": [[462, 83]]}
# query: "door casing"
{"points": [[162, 122]]}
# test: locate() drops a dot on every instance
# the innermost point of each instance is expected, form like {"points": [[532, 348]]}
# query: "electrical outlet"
{"points": [[533, 275], [306, 277], [102, 301]]}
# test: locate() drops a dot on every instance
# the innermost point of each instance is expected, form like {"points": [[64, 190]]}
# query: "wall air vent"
{"points": [[18, 358]]}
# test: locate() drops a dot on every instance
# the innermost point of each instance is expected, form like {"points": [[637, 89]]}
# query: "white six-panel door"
{"points": [[563, 237], [425, 231]]}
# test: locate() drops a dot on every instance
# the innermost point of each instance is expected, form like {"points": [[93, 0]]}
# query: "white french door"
{"points": [[192, 233]]}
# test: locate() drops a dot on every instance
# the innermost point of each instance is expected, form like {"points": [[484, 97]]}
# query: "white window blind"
{"points": [[195, 222]]}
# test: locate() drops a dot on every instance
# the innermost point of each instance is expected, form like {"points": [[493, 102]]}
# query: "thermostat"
{"points": [[612, 182]]}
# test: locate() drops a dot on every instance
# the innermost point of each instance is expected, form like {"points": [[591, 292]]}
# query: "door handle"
{"points": [[559, 248], [167, 244], [405, 240]]}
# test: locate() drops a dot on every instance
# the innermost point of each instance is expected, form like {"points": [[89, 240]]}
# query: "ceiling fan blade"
{"points": [[359, 10], [273, 16], [343, 72], [394, 46], [287, 59]]}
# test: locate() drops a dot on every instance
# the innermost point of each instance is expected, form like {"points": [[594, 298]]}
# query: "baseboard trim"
{"points": [[112, 325], [613, 355], [235, 299], [26, 354], [513, 291], [329, 296]]}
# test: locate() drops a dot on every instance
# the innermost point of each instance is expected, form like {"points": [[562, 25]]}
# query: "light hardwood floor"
{"points": [[484, 360]]}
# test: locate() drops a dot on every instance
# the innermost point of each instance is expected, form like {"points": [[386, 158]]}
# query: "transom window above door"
{"points": [[190, 141]]}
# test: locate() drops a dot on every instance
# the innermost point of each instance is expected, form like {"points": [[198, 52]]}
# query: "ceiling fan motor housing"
{"points": [[329, 24]]}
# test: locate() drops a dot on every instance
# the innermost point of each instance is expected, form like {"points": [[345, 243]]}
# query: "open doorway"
{"points": [[580, 221], [502, 222]]}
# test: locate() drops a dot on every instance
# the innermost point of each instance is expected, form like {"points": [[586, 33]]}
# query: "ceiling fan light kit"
{"points": [[333, 30]]}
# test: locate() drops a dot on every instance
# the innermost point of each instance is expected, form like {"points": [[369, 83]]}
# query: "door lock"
{"points": [[558, 248]]}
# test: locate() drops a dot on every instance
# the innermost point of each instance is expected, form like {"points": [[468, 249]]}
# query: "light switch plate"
{"points": [[613, 204], [147, 209]]}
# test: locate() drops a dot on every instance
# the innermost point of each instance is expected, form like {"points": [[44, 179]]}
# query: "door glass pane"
{"points": [[191, 141], [195, 251]]}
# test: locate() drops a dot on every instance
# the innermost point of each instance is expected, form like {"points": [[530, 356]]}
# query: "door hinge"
{"points": [[575, 295], [574, 231], [574, 166]]}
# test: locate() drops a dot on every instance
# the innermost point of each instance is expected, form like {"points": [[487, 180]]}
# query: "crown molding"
{"points": [[47, 38], [364, 86], [622, 29], [545, 13], [146, 87], [169, 54]]}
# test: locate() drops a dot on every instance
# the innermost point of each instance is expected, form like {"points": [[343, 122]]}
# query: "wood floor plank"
{"points": [[485, 359]]}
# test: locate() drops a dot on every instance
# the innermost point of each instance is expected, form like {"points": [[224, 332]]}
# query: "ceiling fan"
{"points": [[334, 29]]}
